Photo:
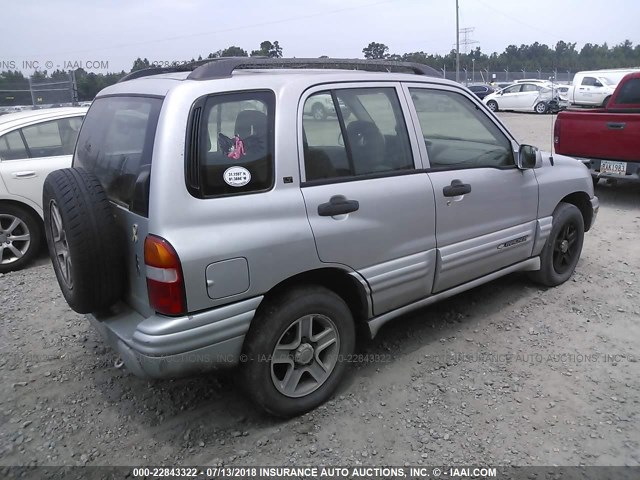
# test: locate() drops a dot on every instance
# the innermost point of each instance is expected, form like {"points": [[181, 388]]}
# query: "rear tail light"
{"points": [[165, 282], [556, 132]]}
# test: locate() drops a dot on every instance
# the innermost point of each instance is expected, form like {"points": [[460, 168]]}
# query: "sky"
{"points": [[108, 35]]}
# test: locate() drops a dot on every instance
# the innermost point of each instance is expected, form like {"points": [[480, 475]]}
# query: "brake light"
{"points": [[556, 132], [165, 283]]}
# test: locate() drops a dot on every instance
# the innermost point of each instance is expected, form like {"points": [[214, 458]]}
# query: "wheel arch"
{"points": [[348, 286], [583, 202], [37, 213]]}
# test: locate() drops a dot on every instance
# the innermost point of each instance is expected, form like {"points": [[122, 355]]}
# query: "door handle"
{"points": [[338, 205], [456, 188], [26, 174], [616, 125]]}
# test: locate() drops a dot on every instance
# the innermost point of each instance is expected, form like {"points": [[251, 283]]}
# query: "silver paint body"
{"points": [[406, 246]]}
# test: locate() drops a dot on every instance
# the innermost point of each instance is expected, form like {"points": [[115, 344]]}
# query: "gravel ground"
{"points": [[507, 373]]}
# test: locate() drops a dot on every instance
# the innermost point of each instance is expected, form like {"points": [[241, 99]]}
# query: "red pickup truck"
{"points": [[606, 139]]}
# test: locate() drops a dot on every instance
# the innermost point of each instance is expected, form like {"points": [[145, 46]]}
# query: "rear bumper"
{"points": [[631, 175], [160, 346]]}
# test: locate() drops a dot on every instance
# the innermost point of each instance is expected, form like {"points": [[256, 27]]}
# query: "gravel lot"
{"points": [[507, 373]]}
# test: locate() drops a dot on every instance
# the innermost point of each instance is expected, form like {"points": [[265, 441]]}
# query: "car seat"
{"points": [[367, 147]]}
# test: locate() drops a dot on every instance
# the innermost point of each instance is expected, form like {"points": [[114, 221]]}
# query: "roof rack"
{"points": [[224, 66]]}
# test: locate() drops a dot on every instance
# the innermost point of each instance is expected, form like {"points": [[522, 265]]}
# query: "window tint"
{"points": [[235, 153], [512, 89], [115, 144], [12, 147], [49, 139], [629, 92], [589, 81], [367, 135], [459, 135], [529, 87]]}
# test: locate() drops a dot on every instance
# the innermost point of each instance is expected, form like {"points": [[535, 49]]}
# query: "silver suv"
{"points": [[207, 221]]}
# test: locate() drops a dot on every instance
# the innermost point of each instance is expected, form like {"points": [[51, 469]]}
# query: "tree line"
{"points": [[562, 56]]}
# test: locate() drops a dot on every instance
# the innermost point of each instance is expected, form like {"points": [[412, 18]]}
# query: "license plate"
{"points": [[619, 168]]}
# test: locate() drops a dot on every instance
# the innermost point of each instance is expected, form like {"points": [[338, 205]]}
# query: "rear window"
{"points": [[115, 144], [629, 93]]}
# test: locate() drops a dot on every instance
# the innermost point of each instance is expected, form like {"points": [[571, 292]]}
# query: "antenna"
{"points": [[553, 114]]}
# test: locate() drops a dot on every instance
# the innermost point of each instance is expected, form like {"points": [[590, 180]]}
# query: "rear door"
{"points": [[115, 144], [32, 152], [370, 206], [529, 96], [486, 208]]}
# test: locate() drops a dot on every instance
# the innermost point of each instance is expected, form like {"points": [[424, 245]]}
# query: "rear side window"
{"points": [[12, 147], [54, 138], [115, 144], [230, 149], [362, 132], [629, 93]]}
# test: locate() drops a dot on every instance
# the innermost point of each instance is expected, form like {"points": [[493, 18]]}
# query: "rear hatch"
{"points": [[116, 144]]}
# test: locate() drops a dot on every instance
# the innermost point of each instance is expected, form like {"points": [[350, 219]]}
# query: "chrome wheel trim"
{"points": [[15, 238], [60, 245], [305, 355]]}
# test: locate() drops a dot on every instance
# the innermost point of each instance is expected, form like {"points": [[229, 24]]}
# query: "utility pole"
{"points": [[457, 42]]}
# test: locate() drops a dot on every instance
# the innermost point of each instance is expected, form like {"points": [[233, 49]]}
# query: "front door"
{"points": [[369, 205], [486, 208]]}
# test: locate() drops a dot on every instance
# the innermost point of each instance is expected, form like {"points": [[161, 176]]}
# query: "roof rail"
{"points": [[224, 66], [146, 72]]}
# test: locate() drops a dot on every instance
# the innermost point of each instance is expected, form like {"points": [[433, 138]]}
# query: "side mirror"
{"points": [[528, 157]]}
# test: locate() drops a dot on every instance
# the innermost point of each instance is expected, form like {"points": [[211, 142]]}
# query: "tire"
{"points": [[605, 102], [83, 242], [557, 264], [492, 105], [20, 237], [540, 108], [318, 111], [279, 322]]}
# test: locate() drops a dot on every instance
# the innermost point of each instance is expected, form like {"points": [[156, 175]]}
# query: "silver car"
{"points": [[208, 222]]}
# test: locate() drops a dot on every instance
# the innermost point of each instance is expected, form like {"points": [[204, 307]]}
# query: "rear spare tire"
{"points": [[83, 241]]}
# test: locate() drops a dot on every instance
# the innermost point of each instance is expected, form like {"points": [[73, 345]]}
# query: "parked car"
{"points": [[32, 144], [606, 139], [523, 96], [205, 231], [481, 91], [594, 88]]}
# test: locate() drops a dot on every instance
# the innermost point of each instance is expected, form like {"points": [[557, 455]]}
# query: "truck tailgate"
{"points": [[598, 134]]}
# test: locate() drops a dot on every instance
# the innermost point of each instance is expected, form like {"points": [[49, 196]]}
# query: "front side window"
{"points": [[235, 151], [116, 143], [364, 133], [12, 147], [512, 89], [461, 136]]}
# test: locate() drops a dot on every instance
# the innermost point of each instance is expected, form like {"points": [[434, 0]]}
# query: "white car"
{"points": [[521, 96], [32, 144]]}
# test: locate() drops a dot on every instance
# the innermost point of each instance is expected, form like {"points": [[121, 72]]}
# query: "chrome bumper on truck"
{"points": [[161, 346], [631, 169]]}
